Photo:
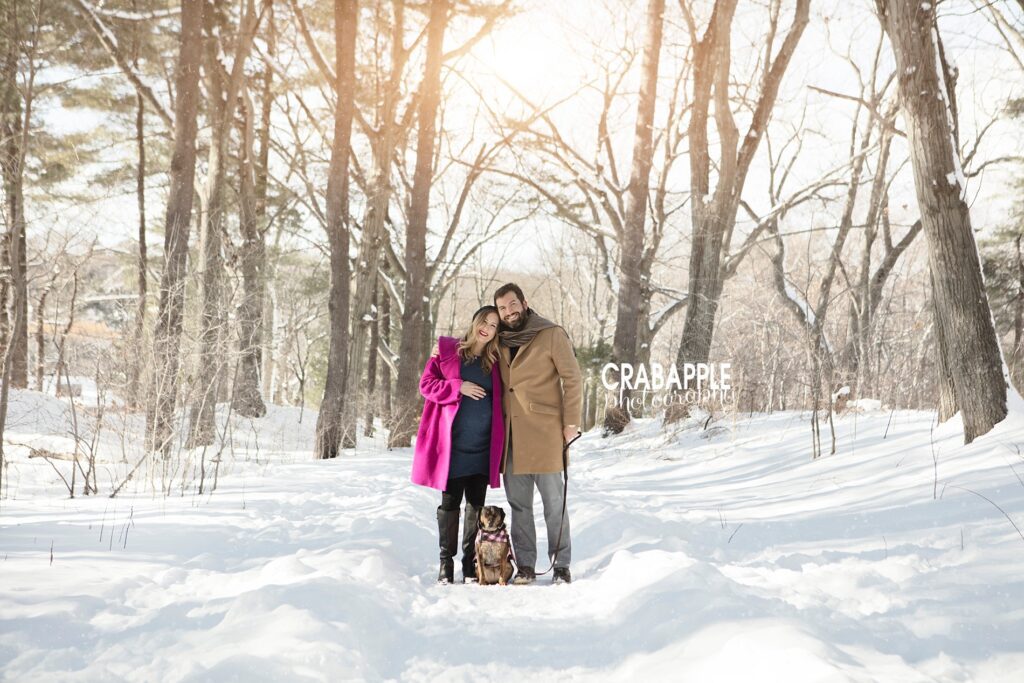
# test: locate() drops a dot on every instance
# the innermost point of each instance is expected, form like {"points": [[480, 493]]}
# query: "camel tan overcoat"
{"points": [[543, 392]]}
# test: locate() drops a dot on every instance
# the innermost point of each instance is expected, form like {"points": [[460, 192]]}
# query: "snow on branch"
{"points": [[110, 44], [121, 15]]}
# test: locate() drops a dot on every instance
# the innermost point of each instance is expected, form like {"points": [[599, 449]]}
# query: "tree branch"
{"points": [[109, 42]]}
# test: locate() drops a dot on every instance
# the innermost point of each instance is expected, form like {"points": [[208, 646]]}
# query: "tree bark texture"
{"points": [[968, 347], [416, 309], [633, 290], [12, 166], [329, 419], [371, 245], [246, 397], [223, 91], [167, 332]]}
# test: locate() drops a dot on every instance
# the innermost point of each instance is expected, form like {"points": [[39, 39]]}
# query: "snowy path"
{"points": [[733, 557]]}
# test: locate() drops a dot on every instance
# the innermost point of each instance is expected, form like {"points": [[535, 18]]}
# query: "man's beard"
{"points": [[517, 325]]}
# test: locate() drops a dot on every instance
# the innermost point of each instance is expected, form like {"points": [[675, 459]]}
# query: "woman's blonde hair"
{"points": [[490, 354]]}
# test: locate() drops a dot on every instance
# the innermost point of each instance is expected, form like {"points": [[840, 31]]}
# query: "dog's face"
{"points": [[491, 518]]}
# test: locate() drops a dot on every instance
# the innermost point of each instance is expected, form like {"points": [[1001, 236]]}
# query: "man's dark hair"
{"points": [[505, 289]]}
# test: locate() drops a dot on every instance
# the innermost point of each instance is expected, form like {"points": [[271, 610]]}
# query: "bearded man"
{"points": [[543, 403]]}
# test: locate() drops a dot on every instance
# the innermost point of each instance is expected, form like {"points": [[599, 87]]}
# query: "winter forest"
{"points": [[234, 231]]}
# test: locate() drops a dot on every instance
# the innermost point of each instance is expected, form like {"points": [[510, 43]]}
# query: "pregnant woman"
{"points": [[461, 434]]}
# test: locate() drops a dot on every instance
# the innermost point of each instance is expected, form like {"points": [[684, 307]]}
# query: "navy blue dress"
{"points": [[471, 430]]}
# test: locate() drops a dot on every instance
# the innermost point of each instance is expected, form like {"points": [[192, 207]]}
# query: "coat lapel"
{"points": [[519, 353]]}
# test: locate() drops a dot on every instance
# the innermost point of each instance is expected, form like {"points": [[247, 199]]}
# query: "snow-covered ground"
{"points": [[720, 554]]}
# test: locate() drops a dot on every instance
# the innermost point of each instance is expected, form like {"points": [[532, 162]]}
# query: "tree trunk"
{"points": [[384, 326], [634, 290], [5, 287], [209, 373], [371, 365], [167, 332], [371, 245], [40, 334], [710, 214], [416, 310], [223, 95], [944, 379], [247, 399], [134, 382], [267, 321], [329, 420], [1017, 368], [137, 358], [19, 327], [12, 155], [967, 338]]}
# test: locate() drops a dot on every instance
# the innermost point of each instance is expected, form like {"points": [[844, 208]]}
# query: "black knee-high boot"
{"points": [[448, 537], [470, 522]]}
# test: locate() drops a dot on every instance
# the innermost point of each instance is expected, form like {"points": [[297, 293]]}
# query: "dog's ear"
{"points": [[501, 516]]}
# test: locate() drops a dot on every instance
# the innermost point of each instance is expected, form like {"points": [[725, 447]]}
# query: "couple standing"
{"points": [[502, 399]]}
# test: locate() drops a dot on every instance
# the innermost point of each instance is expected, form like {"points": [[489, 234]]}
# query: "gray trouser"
{"points": [[519, 491]]}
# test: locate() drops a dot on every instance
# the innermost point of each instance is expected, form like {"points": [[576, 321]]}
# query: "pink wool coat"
{"points": [[440, 384]]}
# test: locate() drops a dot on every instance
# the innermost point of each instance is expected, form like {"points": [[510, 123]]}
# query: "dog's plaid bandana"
{"points": [[499, 535]]}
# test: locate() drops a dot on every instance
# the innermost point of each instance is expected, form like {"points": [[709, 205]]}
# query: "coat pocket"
{"points": [[544, 409]]}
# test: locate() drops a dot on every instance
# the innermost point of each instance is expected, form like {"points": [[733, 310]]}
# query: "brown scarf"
{"points": [[521, 337]]}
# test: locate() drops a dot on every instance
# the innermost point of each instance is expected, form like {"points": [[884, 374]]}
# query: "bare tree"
{"points": [[969, 356], [135, 371], [329, 423], [632, 289], [246, 396], [811, 316], [713, 211], [19, 38], [265, 322], [372, 362], [416, 306], [167, 333], [1018, 313], [223, 89], [384, 135]]}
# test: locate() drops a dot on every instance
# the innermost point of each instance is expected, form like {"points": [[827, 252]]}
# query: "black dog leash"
{"points": [[565, 498]]}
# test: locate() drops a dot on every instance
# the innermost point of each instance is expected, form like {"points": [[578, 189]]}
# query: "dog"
{"points": [[493, 548]]}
